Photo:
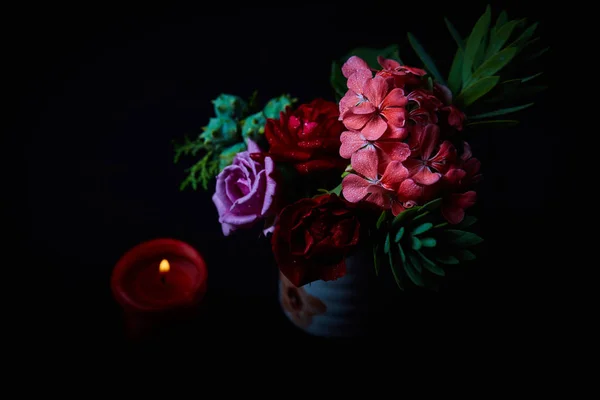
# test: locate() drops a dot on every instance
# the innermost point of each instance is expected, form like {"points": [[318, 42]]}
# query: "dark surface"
{"points": [[98, 100]]}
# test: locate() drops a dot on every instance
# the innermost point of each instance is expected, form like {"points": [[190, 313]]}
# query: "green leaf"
{"points": [[447, 259], [501, 20], [465, 255], [415, 262], [377, 257], [500, 37], [462, 238], [395, 272], [412, 269], [429, 83], [431, 266], [527, 79], [424, 227], [467, 221], [402, 254], [415, 243], [502, 111], [522, 40], [455, 75], [495, 63], [404, 215], [337, 79], [386, 244], [381, 219], [399, 234], [476, 90], [428, 242], [475, 40], [498, 123], [337, 190], [420, 216], [538, 54], [440, 225], [479, 55], [432, 205], [427, 60], [455, 34]]}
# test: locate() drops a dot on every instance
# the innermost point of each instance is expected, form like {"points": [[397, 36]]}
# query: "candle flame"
{"points": [[164, 267]]}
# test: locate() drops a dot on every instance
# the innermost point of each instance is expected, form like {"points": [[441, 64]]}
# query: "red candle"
{"points": [[158, 280]]}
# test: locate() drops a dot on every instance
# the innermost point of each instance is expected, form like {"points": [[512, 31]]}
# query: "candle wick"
{"points": [[163, 280]]}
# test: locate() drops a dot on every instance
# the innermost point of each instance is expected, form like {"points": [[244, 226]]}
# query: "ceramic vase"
{"points": [[332, 309]]}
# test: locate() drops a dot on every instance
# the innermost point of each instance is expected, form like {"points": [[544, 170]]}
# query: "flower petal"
{"points": [[351, 142], [238, 220], [227, 228], [353, 64], [429, 140], [374, 128], [394, 174], [354, 121], [395, 151], [364, 108], [425, 176], [375, 90], [379, 196], [395, 116], [252, 146], [395, 98], [365, 162], [354, 188], [409, 190], [270, 187], [357, 81], [388, 63]]}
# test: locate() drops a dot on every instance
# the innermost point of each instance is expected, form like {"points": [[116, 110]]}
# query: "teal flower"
{"points": [[227, 105], [254, 125], [276, 105], [220, 132]]}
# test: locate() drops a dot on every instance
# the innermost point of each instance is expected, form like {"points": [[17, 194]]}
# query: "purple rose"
{"points": [[245, 191]]}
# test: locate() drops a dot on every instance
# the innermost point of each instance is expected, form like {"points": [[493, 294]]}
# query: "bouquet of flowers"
{"points": [[385, 164]]}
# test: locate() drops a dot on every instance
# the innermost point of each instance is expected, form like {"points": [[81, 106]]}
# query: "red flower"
{"points": [[312, 238], [367, 184], [401, 74], [308, 137], [425, 167]]}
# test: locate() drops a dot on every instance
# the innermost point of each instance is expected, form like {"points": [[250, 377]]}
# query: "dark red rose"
{"points": [[307, 137], [312, 238]]}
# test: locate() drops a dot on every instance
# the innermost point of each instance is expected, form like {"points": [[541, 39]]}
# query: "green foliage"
{"points": [[426, 58], [484, 69], [418, 244], [201, 172], [483, 73], [337, 79], [225, 135]]}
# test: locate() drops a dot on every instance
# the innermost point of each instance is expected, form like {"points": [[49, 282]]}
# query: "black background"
{"points": [[100, 93]]}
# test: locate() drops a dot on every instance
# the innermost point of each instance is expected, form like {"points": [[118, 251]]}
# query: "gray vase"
{"points": [[335, 308]]}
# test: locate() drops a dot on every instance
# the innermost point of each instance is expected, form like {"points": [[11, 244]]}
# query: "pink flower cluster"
{"points": [[399, 137]]}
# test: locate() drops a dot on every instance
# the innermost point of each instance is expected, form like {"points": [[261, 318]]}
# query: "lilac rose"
{"points": [[245, 191]]}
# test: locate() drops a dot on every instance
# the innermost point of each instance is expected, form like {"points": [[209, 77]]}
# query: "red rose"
{"points": [[312, 238], [308, 137]]}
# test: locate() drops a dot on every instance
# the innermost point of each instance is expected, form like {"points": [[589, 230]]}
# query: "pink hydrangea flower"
{"points": [[372, 105], [366, 184]]}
